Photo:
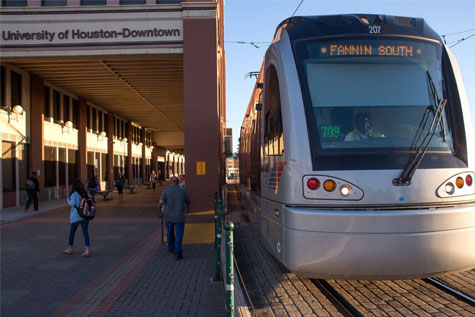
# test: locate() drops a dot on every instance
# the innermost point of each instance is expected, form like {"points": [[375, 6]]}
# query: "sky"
{"points": [[256, 20]]}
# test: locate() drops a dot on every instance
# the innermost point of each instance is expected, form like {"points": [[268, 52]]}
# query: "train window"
{"points": [[374, 93], [274, 133]]}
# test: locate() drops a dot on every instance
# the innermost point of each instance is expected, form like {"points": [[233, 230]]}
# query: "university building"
{"points": [[94, 87]]}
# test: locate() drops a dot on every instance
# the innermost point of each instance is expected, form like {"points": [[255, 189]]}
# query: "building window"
{"points": [[16, 84], [2, 87], [8, 166], [46, 103], [106, 124], [54, 3], [101, 125], [94, 120], [93, 2], [50, 166], [75, 114], [56, 106], [14, 3], [62, 166], [66, 108], [88, 113], [72, 166]]}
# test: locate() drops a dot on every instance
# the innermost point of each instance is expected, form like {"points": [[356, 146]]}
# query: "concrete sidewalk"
{"points": [[128, 273]]}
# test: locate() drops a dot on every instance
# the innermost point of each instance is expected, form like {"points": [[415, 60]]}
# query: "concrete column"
{"points": [[110, 151], [129, 153], [17, 173], [202, 134], [82, 139], [36, 153]]}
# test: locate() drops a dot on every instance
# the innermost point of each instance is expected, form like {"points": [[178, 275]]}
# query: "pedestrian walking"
{"points": [[74, 200], [93, 187], [32, 188], [153, 179], [119, 183], [175, 199]]}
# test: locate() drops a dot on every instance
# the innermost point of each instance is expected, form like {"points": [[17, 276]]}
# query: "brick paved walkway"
{"points": [[127, 274]]}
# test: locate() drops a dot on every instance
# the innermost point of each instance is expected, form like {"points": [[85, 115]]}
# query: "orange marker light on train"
{"points": [[329, 185], [459, 182]]}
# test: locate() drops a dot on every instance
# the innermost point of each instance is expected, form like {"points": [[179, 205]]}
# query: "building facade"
{"points": [[98, 87]]}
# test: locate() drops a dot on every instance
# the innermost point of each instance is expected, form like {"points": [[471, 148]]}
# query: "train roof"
{"points": [[301, 27]]}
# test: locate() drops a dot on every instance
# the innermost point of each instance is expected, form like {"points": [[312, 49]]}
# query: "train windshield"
{"points": [[374, 93]]}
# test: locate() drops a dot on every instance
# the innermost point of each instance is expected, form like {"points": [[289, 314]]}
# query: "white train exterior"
{"points": [[338, 155]]}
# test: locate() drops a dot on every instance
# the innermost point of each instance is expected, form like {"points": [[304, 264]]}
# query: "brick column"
{"points": [[82, 140], [202, 134], [129, 153], [110, 150], [36, 154]]}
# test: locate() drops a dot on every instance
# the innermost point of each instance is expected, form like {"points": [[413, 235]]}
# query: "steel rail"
{"points": [[336, 298], [444, 287]]}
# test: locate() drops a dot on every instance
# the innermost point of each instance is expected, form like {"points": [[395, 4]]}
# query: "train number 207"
{"points": [[374, 29]]}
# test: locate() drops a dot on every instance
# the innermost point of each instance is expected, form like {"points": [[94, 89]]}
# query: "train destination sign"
{"points": [[347, 49]]}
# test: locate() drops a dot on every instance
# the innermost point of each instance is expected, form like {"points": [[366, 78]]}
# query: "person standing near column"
{"points": [[119, 183], [175, 199], [153, 179], [32, 188]]}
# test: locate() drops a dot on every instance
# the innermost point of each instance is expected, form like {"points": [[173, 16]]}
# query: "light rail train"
{"points": [[358, 151]]}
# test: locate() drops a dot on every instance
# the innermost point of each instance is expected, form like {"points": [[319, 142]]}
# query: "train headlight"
{"points": [[459, 182], [469, 180], [313, 183], [449, 188], [329, 185], [345, 190]]}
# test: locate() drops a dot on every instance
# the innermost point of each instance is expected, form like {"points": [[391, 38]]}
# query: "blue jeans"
{"points": [[175, 232], [93, 195], [84, 226]]}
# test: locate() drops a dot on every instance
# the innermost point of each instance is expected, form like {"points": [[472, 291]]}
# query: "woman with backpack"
{"points": [[93, 187], [74, 200]]}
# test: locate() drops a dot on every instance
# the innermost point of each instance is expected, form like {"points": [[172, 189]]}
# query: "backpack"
{"points": [[87, 209], [30, 185], [92, 183]]}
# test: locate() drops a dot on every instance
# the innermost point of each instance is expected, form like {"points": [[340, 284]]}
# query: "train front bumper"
{"points": [[397, 244]]}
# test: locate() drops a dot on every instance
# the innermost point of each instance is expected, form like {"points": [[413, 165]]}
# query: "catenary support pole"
{"points": [[217, 276], [229, 268]]}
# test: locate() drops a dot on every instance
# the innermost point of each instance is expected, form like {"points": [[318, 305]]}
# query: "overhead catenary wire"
{"points": [[462, 39], [297, 7]]}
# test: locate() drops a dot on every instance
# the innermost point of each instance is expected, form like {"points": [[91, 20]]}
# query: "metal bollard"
{"points": [[229, 268], [217, 276]]}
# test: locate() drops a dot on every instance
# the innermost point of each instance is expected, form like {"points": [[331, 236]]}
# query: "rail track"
{"points": [[444, 287], [343, 306]]}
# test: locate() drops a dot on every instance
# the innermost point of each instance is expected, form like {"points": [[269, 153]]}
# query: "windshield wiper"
{"points": [[435, 95], [416, 158]]}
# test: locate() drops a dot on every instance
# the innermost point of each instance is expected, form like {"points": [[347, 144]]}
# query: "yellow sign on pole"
{"points": [[201, 168]]}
